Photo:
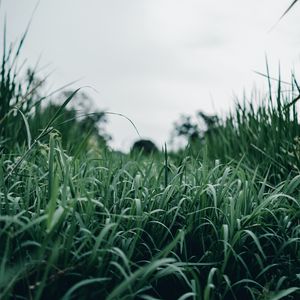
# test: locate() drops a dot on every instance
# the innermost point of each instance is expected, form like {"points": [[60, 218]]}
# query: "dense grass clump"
{"points": [[265, 137], [104, 226]]}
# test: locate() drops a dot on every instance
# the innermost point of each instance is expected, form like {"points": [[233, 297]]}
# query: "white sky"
{"points": [[153, 60]]}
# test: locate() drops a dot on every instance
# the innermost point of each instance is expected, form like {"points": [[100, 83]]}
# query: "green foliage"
{"points": [[74, 127], [17, 96], [110, 227], [265, 139], [195, 130]]}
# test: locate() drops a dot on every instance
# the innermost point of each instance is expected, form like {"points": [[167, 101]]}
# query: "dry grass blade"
{"points": [[288, 9], [284, 14]]}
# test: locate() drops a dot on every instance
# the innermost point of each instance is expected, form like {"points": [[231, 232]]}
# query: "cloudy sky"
{"points": [[153, 60]]}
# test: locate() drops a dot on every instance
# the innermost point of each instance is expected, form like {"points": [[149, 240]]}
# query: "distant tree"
{"points": [[144, 146], [194, 130], [187, 128]]}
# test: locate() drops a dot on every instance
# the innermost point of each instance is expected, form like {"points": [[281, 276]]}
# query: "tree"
{"points": [[194, 130]]}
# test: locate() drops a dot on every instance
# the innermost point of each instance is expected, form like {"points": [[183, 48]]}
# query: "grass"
{"points": [[109, 227], [220, 221], [264, 136]]}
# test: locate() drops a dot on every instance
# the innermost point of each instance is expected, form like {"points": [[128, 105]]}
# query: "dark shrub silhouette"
{"points": [[144, 146]]}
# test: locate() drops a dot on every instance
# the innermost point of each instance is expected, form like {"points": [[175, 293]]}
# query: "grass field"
{"points": [[219, 220]]}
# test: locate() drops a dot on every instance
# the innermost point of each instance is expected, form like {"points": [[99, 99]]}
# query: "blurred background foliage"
{"points": [[25, 111]]}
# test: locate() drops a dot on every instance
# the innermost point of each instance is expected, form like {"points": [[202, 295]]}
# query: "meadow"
{"points": [[219, 219]]}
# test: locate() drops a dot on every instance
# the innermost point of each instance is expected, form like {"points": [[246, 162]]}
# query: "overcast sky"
{"points": [[153, 60]]}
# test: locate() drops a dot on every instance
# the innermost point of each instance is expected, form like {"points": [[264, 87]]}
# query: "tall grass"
{"points": [[23, 119], [103, 226], [15, 95], [264, 137]]}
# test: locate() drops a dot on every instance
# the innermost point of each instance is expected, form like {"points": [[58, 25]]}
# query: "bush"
{"points": [[144, 146]]}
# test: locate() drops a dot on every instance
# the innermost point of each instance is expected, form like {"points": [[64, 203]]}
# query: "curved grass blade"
{"points": [[80, 284]]}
